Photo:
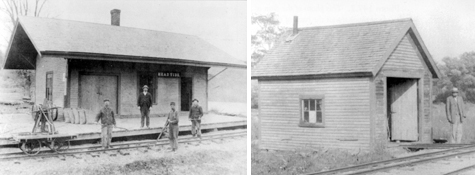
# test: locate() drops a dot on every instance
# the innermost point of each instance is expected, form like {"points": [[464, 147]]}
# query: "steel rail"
{"points": [[412, 162], [393, 161], [461, 170], [127, 145]]}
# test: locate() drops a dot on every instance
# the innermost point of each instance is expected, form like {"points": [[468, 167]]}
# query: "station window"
{"points": [[49, 86], [312, 111]]}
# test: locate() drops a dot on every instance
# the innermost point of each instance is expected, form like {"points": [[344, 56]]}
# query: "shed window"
{"points": [[312, 114]]}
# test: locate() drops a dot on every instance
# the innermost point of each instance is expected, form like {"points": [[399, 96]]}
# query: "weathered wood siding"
{"points": [[54, 64], [347, 114], [405, 62], [128, 83]]}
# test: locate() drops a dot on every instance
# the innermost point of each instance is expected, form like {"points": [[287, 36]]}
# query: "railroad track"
{"points": [[121, 146], [399, 162], [461, 170]]}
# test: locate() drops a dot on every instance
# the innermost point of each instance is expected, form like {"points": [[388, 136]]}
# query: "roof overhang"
{"points": [[21, 52], [315, 76], [138, 59]]}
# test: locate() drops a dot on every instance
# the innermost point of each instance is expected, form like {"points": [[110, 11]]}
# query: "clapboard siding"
{"points": [[405, 58], [346, 110]]}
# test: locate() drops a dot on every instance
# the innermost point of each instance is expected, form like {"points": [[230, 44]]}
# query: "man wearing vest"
{"points": [[455, 114], [144, 103]]}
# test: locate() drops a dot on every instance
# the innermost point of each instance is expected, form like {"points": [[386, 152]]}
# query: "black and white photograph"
{"points": [[362, 87], [123, 87], [383, 87]]}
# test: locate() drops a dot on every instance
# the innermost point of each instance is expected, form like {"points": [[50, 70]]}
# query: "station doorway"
{"points": [[403, 109], [186, 93]]}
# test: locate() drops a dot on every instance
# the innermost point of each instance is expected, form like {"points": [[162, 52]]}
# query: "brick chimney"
{"points": [[296, 25], [115, 17]]}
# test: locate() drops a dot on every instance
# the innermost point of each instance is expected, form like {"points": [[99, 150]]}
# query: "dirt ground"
{"points": [[210, 157]]}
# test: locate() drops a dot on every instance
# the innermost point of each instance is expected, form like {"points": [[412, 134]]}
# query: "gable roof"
{"points": [[64, 37], [342, 50]]}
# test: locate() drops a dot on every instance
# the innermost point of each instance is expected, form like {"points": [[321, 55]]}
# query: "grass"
{"points": [[306, 161]]}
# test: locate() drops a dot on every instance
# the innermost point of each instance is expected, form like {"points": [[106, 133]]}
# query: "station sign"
{"points": [[168, 74]]}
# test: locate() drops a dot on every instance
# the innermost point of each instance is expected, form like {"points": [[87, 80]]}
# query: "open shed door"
{"points": [[403, 109]]}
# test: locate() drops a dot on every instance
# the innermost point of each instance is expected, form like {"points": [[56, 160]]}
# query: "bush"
{"points": [[456, 72]]}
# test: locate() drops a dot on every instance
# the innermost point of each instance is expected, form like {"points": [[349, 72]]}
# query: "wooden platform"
{"points": [[128, 127]]}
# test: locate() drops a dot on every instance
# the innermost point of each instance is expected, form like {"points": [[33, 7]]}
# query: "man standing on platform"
{"points": [[144, 103], [455, 114], [106, 115], [196, 112]]}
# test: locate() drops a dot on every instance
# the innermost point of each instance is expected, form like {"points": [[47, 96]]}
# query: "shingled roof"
{"points": [[342, 49], [64, 37]]}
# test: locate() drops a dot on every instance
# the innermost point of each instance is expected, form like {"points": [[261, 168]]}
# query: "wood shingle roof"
{"points": [[67, 37], [340, 49]]}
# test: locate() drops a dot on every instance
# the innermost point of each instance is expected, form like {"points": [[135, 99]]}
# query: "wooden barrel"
{"points": [[67, 112], [82, 116], [75, 117], [60, 115]]}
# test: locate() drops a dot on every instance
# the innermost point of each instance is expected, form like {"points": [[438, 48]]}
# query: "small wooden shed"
{"points": [[79, 64], [346, 86]]}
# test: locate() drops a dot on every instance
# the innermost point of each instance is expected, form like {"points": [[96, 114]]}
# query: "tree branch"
{"points": [[39, 11], [36, 8]]}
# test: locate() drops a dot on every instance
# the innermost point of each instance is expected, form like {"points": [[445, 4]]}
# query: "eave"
{"points": [[315, 76], [137, 59]]}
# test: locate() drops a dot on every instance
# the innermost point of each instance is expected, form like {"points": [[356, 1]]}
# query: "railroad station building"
{"points": [[346, 86], [79, 64]]}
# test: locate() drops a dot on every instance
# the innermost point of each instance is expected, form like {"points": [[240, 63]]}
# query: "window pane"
{"points": [[312, 117], [305, 105], [312, 105], [319, 117], [305, 117], [319, 105]]}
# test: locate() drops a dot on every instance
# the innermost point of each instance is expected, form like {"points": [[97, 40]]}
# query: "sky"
{"points": [[221, 23], [447, 27]]}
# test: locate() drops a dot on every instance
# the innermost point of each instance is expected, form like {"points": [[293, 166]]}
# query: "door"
{"points": [[94, 89], [168, 90], [186, 93], [403, 109]]}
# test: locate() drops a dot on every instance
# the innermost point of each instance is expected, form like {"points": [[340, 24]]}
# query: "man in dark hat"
{"points": [[144, 103], [196, 112], [455, 113], [106, 115]]}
